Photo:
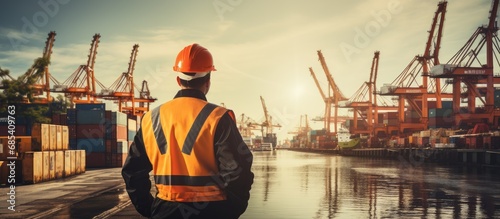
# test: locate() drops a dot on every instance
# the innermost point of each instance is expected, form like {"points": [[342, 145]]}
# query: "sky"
{"points": [[260, 48]]}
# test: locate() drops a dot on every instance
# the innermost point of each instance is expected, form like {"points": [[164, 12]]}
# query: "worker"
{"points": [[200, 164]]}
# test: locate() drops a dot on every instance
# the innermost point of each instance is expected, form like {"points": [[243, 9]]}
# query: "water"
{"points": [[291, 184]]}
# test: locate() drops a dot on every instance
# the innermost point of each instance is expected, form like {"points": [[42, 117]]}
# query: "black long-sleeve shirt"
{"points": [[233, 159]]}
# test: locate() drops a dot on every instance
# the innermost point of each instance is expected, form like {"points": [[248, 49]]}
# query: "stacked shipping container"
{"points": [[103, 134]]}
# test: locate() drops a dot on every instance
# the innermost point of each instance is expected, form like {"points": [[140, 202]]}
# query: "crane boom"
{"points": [[327, 100]]}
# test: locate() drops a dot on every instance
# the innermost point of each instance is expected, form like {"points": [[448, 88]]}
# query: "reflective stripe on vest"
{"points": [[178, 137]]}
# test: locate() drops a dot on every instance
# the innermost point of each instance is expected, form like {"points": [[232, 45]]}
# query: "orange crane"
{"points": [[364, 103], [337, 94], [123, 93], [466, 68], [80, 87], [407, 87], [328, 102], [42, 83]]}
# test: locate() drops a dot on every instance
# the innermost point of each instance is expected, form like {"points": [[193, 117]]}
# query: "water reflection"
{"points": [[301, 185]]}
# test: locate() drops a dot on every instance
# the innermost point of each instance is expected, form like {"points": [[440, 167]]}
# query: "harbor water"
{"points": [[302, 185]]}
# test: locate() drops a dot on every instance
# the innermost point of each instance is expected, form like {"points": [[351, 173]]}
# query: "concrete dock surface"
{"points": [[97, 193]]}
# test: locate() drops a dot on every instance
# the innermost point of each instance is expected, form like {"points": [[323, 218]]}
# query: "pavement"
{"points": [[97, 193]]}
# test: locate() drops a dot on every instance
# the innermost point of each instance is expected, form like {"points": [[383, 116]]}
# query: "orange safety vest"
{"points": [[179, 141]]}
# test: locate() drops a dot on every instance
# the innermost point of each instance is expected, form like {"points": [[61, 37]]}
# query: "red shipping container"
{"points": [[95, 159], [90, 131], [56, 119], [20, 130]]}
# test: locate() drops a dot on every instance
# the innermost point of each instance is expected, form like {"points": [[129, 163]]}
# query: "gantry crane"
{"points": [[144, 100], [365, 104], [467, 68], [42, 81], [123, 93], [268, 135], [407, 87], [337, 94], [80, 87], [328, 102]]}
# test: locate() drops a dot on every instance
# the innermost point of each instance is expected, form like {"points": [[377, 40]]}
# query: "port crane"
{"points": [[467, 68], [407, 87], [42, 77], [80, 87], [337, 94], [365, 104], [268, 135], [328, 102], [123, 93]]}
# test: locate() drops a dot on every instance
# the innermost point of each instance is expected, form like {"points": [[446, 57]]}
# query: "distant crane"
{"points": [[268, 136]]}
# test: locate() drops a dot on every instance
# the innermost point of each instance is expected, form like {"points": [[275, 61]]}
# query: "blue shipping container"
{"points": [[90, 117], [91, 145], [72, 144], [91, 106], [131, 135]]}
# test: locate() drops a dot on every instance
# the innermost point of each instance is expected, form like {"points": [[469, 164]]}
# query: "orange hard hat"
{"points": [[194, 59]]}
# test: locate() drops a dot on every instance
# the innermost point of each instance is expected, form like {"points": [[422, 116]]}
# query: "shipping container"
{"points": [[32, 167], [65, 137], [19, 130], [52, 137], [52, 165], [132, 125], [91, 106], [72, 131], [90, 117], [56, 119], [24, 144], [69, 163], [59, 164], [90, 131], [91, 145], [58, 137], [96, 159], [40, 137], [45, 166], [6, 170], [63, 118], [83, 156], [78, 162], [73, 144], [71, 116], [118, 118], [116, 132], [6, 148]]}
